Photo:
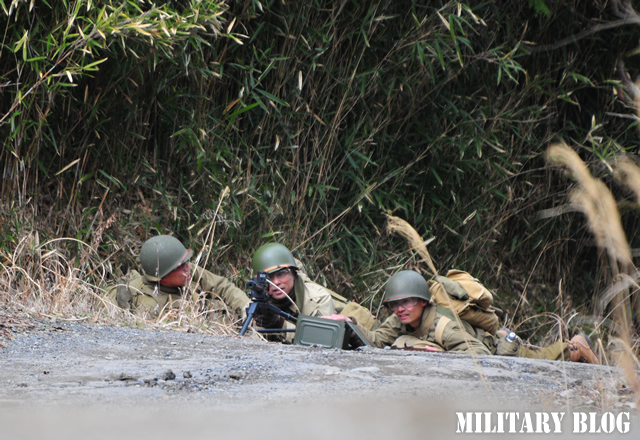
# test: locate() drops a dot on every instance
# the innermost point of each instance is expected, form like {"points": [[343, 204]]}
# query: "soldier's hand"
{"points": [[337, 317], [431, 349], [269, 320], [124, 297]]}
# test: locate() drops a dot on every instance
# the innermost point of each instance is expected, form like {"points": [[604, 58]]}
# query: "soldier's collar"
{"points": [[428, 317], [164, 289]]}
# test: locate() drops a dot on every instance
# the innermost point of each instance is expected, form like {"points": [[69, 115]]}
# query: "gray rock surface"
{"points": [[64, 369]]}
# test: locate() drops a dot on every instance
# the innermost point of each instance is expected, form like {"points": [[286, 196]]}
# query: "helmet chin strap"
{"points": [[285, 294]]}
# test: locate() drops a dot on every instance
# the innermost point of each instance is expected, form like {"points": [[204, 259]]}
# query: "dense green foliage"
{"points": [[319, 117]]}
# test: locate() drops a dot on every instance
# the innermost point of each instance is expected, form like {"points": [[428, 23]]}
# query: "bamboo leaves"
{"points": [[319, 116]]}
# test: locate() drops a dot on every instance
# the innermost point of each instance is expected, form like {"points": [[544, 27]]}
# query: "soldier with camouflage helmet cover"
{"points": [[417, 323], [166, 277], [292, 291]]}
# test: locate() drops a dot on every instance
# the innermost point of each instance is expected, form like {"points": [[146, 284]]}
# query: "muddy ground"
{"points": [[68, 380]]}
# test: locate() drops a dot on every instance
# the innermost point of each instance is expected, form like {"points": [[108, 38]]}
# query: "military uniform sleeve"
{"points": [[324, 306], [384, 335], [456, 339], [230, 294]]}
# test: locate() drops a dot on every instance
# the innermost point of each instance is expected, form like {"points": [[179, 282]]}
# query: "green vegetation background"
{"points": [[125, 119]]}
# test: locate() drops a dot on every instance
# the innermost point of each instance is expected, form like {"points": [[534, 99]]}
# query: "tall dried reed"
{"points": [[402, 227], [592, 197]]}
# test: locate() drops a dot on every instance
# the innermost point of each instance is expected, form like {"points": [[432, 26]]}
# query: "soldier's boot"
{"points": [[580, 349]]}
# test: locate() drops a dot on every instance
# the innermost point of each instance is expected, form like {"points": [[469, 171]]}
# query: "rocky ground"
{"points": [[63, 379]]}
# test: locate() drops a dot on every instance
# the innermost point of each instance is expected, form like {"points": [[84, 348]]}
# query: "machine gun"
{"points": [[260, 304]]}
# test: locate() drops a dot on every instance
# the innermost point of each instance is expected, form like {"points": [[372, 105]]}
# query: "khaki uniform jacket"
{"points": [[137, 293], [454, 337]]}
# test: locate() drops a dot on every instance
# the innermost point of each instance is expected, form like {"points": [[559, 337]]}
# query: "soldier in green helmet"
{"points": [[167, 277], [292, 291], [418, 323]]}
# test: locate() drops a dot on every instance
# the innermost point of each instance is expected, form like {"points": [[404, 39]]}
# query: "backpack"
{"points": [[466, 297]]}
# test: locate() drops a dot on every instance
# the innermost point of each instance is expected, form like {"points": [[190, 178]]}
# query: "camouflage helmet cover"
{"points": [[161, 254], [406, 284], [272, 257]]}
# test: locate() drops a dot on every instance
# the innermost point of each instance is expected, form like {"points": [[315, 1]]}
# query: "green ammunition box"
{"points": [[327, 333]]}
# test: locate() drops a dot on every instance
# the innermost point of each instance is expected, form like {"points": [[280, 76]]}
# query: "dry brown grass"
{"points": [[42, 280], [628, 174]]}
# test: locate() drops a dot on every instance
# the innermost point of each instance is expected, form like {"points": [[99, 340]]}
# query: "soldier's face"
{"points": [[284, 279], [409, 310], [178, 277]]}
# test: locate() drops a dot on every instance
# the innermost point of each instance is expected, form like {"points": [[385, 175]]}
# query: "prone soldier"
{"points": [[418, 323], [166, 279]]}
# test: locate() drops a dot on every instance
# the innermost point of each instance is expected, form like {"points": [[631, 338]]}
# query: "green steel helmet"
{"points": [[406, 284], [162, 254], [272, 257]]}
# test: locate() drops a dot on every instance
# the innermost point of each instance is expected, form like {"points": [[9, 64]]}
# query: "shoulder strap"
{"points": [[442, 323]]}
